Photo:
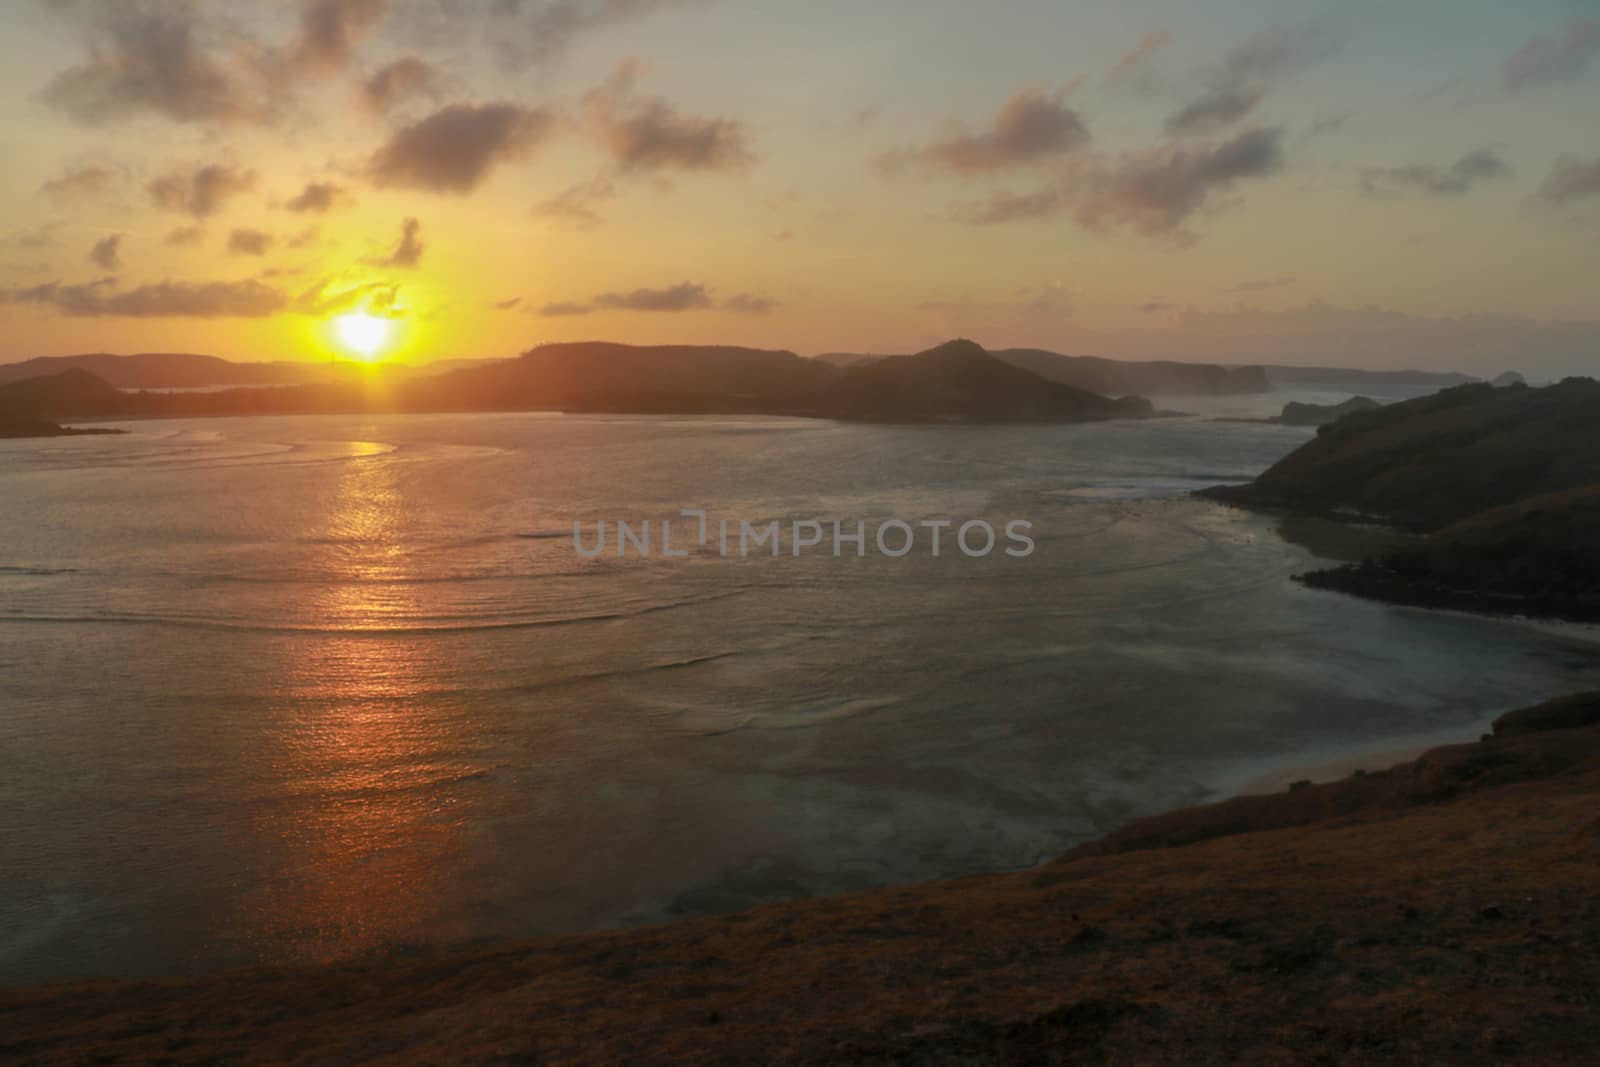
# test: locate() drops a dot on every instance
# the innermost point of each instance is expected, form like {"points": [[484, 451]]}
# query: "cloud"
{"points": [[330, 31], [454, 149], [575, 204], [749, 304], [646, 133], [1571, 180], [105, 253], [391, 84], [1213, 112], [318, 198], [201, 192], [1032, 127], [169, 299], [562, 309], [1552, 59], [685, 296], [408, 253], [372, 297], [1274, 54], [306, 237], [507, 305], [1134, 70], [244, 242], [81, 183], [526, 32], [185, 235], [1434, 180], [164, 57], [1156, 192], [1003, 207]]}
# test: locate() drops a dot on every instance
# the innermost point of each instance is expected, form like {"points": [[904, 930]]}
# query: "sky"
{"points": [[1364, 183]]}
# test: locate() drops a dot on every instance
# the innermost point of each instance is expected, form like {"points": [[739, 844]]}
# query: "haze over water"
{"points": [[307, 688]]}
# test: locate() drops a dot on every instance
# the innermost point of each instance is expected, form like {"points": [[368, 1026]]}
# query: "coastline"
{"points": [[1392, 917]]}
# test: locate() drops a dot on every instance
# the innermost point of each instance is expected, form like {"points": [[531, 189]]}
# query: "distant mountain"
{"points": [[959, 381], [1349, 378], [1113, 377], [166, 370], [1503, 484], [1510, 377], [602, 376], [1118, 378]]}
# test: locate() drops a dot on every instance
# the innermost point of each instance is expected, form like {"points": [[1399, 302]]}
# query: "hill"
{"points": [[1441, 911], [66, 394], [958, 381], [1119, 378], [1503, 484]]}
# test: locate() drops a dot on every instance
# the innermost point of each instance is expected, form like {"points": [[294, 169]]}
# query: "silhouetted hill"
{"points": [[67, 394], [1118, 378], [606, 376], [1505, 483], [959, 381], [166, 370], [1298, 414], [1425, 463]]}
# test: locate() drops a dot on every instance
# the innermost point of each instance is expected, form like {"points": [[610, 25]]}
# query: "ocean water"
{"points": [[309, 688]]}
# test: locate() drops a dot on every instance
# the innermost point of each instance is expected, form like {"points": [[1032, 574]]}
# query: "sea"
{"points": [[299, 689]]}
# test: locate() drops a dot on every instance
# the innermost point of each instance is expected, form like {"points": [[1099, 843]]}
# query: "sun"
{"points": [[366, 336]]}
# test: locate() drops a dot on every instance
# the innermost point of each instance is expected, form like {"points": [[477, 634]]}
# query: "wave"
{"points": [[362, 630]]}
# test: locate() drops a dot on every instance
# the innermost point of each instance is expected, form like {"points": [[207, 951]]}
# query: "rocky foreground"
{"points": [[1440, 912]]}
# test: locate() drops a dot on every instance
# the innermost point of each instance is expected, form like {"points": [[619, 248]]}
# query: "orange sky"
{"points": [[1229, 180]]}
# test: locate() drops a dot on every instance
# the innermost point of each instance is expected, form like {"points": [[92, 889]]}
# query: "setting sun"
{"points": [[366, 336]]}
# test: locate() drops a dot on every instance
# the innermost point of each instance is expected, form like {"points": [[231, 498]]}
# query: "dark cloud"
{"points": [[1032, 127], [454, 149], [686, 296], [1559, 58], [1134, 70], [507, 305], [1154, 306], [1434, 180], [330, 31], [200, 192], [563, 309], [1213, 112], [81, 183], [185, 235], [397, 81], [1156, 192], [646, 133], [308, 236], [408, 253], [244, 242], [194, 300], [749, 304], [575, 204], [1571, 180], [105, 253], [318, 198], [164, 57], [1274, 54]]}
